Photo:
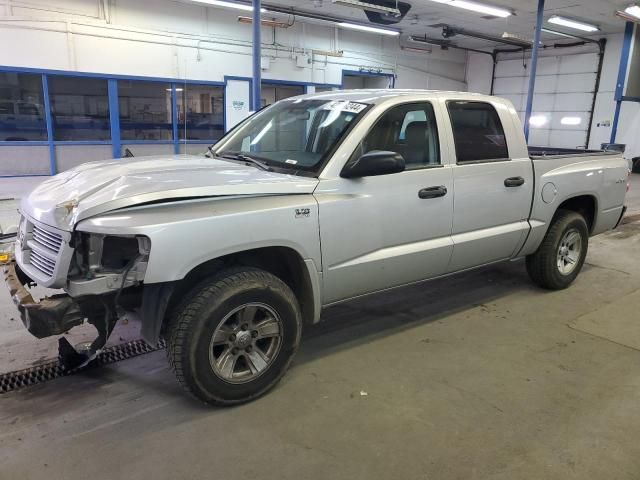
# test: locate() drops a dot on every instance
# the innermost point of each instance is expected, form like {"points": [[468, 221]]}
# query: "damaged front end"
{"points": [[103, 281]]}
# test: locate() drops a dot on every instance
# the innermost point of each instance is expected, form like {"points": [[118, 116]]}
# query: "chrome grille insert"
{"points": [[50, 240], [42, 263]]}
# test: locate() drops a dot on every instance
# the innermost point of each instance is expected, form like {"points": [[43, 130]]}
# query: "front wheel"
{"points": [[234, 337], [560, 257]]}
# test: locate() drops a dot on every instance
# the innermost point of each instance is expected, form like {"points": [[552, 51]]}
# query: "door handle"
{"points": [[514, 182], [433, 192]]}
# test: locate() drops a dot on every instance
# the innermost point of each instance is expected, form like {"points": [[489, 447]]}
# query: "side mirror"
{"points": [[376, 162]]}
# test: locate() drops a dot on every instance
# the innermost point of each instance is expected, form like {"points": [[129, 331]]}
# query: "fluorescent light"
{"points": [[537, 120], [365, 28], [224, 4], [554, 32], [633, 10], [571, 121], [177, 89], [569, 23], [367, 6], [477, 7]]}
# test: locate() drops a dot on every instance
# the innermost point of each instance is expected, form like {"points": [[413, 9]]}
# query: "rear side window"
{"points": [[477, 132]]}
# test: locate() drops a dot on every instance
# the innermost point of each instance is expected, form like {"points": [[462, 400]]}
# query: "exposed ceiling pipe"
{"points": [[444, 44], [448, 31]]}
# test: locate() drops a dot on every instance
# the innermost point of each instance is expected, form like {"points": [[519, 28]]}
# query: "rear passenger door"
{"points": [[493, 191]]}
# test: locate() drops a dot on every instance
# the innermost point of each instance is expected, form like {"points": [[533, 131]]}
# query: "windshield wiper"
{"points": [[247, 159]]}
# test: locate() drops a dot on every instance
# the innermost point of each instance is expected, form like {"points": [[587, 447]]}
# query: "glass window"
{"points": [[295, 134], [145, 110], [22, 115], [204, 117], [270, 94], [80, 108], [409, 130], [477, 131], [325, 89]]}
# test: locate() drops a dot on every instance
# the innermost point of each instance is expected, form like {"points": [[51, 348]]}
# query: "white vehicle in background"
{"points": [[26, 119], [314, 200]]}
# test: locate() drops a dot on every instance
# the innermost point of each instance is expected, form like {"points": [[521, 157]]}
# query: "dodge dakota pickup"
{"points": [[315, 200]]}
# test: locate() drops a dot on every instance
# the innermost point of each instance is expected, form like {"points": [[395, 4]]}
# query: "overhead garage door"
{"points": [[562, 99]]}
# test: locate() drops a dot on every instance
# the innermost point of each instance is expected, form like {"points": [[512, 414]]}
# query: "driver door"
{"points": [[384, 231]]}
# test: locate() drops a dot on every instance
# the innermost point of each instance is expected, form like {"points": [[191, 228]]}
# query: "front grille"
{"points": [[41, 251], [50, 240], [42, 263]]}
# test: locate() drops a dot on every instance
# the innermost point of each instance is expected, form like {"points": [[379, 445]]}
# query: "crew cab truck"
{"points": [[312, 201]]}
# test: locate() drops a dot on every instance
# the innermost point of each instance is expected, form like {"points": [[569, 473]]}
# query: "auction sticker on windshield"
{"points": [[345, 106]]}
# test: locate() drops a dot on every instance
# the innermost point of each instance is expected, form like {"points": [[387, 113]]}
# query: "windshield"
{"points": [[296, 134]]}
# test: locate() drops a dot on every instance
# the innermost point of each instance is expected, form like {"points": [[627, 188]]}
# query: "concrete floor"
{"points": [[480, 375]]}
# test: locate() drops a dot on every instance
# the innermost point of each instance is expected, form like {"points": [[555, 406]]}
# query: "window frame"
{"points": [[123, 120], [116, 141], [15, 109], [437, 134], [508, 158], [107, 118]]}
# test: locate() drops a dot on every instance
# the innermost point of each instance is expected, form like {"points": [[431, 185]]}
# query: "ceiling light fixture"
{"points": [[570, 23], [372, 7], [633, 10], [571, 121], [416, 50], [478, 7], [365, 28], [555, 32], [266, 22], [224, 4]]}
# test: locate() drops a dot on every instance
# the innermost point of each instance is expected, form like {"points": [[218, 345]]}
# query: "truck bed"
{"points": [[542, 152]]}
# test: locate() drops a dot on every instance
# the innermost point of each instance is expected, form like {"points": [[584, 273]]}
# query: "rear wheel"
{"points": [[234, 337], [560, 257]]}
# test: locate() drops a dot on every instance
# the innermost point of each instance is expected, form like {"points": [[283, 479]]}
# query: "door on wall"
{"points": [[562, 99], [271, 93], [357, 81]]}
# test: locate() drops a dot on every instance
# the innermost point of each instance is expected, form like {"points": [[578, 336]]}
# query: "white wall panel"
{"points": [[566, 139], [27, 160], [574, 101], [69, 156], [576, 82], [479, 69], [585, 63], [141, 150]]}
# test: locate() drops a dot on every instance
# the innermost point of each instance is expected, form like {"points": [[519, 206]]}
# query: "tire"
{"points": [[635, 165], [552, 269], [209, 348]]}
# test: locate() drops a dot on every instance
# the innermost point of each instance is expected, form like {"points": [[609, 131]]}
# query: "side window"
{"points": [[477, 132], [409, 130]]}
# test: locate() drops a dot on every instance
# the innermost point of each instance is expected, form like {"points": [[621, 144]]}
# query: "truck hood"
{"points": [[95, 188]]}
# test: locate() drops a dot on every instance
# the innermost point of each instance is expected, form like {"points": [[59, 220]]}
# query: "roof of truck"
{"points": [[377, 95]]}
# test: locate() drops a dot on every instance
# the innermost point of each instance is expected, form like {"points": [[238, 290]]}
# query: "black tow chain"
{"points": [[54, 369]]}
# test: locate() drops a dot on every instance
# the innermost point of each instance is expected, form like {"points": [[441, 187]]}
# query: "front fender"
{"points": [[186, 234]]}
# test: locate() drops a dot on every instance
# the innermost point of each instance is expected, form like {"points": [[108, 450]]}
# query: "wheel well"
{"points": [[585, 205], [283, 262]]}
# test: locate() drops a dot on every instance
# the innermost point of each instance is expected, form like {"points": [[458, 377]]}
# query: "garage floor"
{"points": [[481, 375]]}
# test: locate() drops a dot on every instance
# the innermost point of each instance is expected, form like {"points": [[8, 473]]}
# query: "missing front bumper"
{"points": [[53, 315], [58, 314]]}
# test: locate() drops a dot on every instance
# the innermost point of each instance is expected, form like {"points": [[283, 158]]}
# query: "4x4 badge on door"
{"points": [[302, 212]]}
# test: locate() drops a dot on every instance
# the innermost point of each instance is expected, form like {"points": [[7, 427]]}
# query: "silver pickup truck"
{"points": [[315, 200]]}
